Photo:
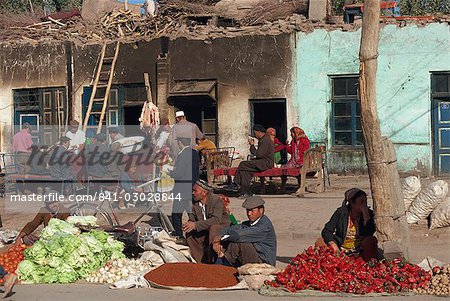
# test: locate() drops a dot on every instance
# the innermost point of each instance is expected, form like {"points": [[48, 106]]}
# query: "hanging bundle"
{"points": [[149, 120]]}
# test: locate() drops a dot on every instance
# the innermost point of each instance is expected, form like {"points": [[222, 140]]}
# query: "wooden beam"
{"points": [[390, 219], [94, 87], [108, 88], [148, 88]]}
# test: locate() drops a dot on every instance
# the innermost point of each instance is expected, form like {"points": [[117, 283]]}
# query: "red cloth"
{"points": [[22, 142], [297, 149], [278, 145], [274, 172]]}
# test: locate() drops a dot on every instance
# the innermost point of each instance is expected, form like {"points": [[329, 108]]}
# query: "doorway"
{"points": [[441, 122], [271, 113], [204, 116], [131, 116]]}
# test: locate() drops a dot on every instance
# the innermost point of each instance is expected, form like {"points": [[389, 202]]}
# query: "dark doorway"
{"points": [[270, 114], [203, 115], [131, 120]]}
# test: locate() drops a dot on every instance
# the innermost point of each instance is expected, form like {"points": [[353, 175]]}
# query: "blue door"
{"points": [[442, 136], [441, 122]]}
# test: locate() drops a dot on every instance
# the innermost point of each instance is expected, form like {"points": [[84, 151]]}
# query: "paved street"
{"points": [[298, 223]]}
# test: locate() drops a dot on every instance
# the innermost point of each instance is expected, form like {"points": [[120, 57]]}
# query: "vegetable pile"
{"points": [[439, 284], [63, 255], [322, 269], [118, 269], [11, 258], [83, 221]]}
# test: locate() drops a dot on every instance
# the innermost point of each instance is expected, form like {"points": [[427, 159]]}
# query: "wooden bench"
{"points": [[221, 158], [312, 165]]}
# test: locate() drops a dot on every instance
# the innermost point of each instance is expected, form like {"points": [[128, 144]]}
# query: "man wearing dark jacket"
{"points": [[185, 175], [97, 154], [263, 160], [253, 241], [351, 227], [206, 221]]}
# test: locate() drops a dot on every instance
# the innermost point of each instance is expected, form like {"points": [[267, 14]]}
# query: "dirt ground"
{"points": [[297, 221]]}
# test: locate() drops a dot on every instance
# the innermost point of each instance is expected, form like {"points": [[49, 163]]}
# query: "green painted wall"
{"points": [[407, 56]]}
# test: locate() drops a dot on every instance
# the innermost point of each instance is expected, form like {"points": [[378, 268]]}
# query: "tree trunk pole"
{"points": [[392, 229]]}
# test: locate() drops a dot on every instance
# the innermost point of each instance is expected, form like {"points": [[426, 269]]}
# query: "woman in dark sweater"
{"points": [[351, 227]]}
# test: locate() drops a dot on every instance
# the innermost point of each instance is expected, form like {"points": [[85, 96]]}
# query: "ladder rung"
{"points": [[98, 99], [105, 72]]}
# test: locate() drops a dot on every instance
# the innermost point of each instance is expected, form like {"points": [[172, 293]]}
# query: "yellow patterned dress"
{"points": [[352, 240]]}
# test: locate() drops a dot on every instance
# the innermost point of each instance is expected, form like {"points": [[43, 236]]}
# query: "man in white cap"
{"points": [[184, 129]]}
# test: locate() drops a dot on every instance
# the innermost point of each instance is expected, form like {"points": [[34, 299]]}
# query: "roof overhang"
{"points": [[195, 91]]}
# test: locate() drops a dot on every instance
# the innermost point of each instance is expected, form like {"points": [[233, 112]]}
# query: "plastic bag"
{"points": [[426, 201], [440, 217], [411, 188], [255, 282], [166, 183], [258, 269]]}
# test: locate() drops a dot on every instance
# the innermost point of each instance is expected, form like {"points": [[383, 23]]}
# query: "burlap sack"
{"points": [[440, 217], [411, 188], [426, 201]]}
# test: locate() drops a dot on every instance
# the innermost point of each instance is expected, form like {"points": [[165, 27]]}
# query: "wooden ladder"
{"points": [[101, 86]]}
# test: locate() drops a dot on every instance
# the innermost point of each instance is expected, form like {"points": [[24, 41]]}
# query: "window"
{"points": [[346, 112]]}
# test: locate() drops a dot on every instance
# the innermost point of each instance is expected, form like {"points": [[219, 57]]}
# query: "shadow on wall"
{"points": [[353, 162], [347, 162]]}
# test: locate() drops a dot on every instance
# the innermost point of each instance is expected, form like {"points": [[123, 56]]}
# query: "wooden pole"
{"points": [[147, 88], [31, 7], [126, 4], [392, 229]]}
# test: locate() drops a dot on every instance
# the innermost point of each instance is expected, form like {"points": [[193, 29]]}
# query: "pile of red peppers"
{"points": [[324, 270]]}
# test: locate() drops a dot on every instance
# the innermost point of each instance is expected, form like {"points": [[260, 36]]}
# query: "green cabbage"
{"points": [[90, 221], [63, 255]]}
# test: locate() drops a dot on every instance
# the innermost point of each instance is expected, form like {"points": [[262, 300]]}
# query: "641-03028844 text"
{"points": [[98, 196]]}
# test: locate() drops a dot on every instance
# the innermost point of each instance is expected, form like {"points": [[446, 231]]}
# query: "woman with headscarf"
{"points": [[278, 146], [351, 227], [297, 148]]}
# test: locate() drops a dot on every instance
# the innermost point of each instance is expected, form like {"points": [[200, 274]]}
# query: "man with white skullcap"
{"points": [[184, 129]]}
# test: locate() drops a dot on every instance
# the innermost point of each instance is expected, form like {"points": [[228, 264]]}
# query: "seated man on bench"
{"points": [[263, 161], [59, 161]]}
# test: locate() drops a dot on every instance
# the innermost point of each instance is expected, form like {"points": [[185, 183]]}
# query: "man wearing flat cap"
{"points": [[76, 135], [206, 221], [253, 241], [263, 160]]}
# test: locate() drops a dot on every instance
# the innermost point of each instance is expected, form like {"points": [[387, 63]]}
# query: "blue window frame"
{"points": [[346, 113]]}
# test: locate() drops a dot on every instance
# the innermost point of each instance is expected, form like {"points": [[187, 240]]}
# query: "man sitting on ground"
{"points": [[206, 221], [263, 161], [253, 241], [51, 209]]}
